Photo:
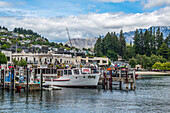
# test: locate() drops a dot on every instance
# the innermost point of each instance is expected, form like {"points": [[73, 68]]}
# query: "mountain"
{"points": [[82, 42], [164, 29], [89, 42]]}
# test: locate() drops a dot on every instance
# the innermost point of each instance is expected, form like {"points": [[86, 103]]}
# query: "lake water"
{"points": [[151, 95]]}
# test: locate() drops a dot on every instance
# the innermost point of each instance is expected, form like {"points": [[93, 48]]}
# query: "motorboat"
{"points": [[76, 77]]}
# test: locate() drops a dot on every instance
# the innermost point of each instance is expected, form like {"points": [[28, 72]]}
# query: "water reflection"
{"points": [[151, 95]]}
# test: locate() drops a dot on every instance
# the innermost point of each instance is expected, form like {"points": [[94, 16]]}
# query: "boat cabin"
{"points": [[67, 72]]}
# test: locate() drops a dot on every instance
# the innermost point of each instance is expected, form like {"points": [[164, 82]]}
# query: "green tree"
{"points": [[98, 47], [129, 53], [162, 59], [159, 38], [147, 43], [167, 40], [145, 61], [3, 58], [15, 62], [132, 62], [122, 43], [4, 46], [111, 55], [157, 65], [164, 51], [22, 62], [136, 42], [166, 66]]}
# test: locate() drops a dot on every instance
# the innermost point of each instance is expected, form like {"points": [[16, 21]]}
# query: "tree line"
{"points": [[146, 44], [111, 45]]}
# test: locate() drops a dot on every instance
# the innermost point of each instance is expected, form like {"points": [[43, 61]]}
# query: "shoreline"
{"points": [[152, 73]]}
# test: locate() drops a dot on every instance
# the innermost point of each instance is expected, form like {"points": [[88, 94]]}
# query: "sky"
{"points": [[83, 18]]}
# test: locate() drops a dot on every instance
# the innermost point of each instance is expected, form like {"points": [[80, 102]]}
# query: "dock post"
{"points": [[41, 80], [126, 77], [120, 73], [131, 85], [104, 80], [27, 81], [120, 85], [110, 80], [134, 79], [0, 75], [3, 77], [52, 81], [127, 85], [12, 79]]}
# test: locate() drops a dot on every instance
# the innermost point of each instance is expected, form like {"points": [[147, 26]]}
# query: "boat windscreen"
{"points": [[76, 71], [60, 73], [65, 72], [69, 72]]}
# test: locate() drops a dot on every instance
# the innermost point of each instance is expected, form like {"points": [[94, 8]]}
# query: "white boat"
{"points": [[72, 78]]}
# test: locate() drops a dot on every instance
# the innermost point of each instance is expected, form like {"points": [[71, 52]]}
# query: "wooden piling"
{"points": [[104, 80], [41, 81], [134, 79], [127, 85], [126, 77], [3, 77], [120, 85], [27, 81], [110, 80], [13, 79], [131, 86]]}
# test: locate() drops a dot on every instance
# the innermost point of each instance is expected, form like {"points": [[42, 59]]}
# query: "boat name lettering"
{"points": [[92, 77]]}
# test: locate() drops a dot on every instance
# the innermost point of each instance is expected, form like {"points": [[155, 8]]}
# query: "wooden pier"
{"points": [[12, 84], [119, 77]]}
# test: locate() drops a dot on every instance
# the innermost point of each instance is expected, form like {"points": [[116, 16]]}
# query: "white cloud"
{"points": [[4, 4], [86, 26], [155, 3], [118, 1], [17, 12]]}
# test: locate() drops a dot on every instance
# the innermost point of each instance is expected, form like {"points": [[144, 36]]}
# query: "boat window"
{"points": [[55, 71], [60, 73], [69, 72], [65, 72], [39, 71], [76, 71]]}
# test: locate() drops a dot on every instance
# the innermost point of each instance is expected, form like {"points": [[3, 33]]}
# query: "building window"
{"points": [[90, 61], [8, 58], [60, 60], [34, 59], [104, 61], [26, 59], [40, 59], [50, 59]]}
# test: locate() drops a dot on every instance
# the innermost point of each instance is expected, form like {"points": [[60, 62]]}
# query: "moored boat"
{"points": [[72, 78]]}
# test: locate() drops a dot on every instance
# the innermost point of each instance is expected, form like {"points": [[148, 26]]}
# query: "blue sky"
{"points": [[53, 8], [84, 18]]}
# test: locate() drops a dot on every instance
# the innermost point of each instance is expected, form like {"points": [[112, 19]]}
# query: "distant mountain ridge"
{"points": [[89, 42], [164, 29], [82, 42]]}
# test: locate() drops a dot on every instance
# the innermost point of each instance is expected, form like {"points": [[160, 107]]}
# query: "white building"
{"points": [[51, 58]]}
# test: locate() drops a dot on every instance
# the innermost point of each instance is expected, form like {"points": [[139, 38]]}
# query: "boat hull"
{"points": [[84, 80]]}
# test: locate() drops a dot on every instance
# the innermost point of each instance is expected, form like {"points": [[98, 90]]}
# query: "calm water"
{"points": [[151, 95]]}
